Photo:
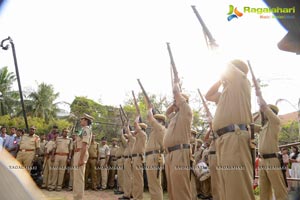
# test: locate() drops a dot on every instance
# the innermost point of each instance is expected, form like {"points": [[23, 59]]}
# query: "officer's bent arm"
{"points": [[213, 93]]}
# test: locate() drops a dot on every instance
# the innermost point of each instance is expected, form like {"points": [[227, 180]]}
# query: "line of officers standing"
{"points": [[228, 155]]}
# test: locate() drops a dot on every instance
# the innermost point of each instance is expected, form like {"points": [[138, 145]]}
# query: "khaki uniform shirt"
{"points": [[179, 129], [156, 137], [104, 151], [234, 105], [93, 150], [140, 143], [113, 150], [49, 146], [130, 144], [268, 137], [120, 151], [29, 142], [84, 136], [42, 147], [63, 145]]}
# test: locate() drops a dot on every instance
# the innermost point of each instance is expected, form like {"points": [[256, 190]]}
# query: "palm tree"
{"points": [[7, 97], [42, 102]]}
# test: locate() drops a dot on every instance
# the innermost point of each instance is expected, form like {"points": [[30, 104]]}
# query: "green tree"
{"points": [[8, 98], [42, 104], [289, 133]]}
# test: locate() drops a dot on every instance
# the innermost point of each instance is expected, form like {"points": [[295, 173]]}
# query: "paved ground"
{"points": [[90, 195]]}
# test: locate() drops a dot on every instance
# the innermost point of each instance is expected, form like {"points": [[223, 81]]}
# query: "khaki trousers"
{"points": [[71, 171], [25, 159], [102, 174], [138, 178], [91, 171], [78, 178], [127, 177], [212, 160], [46, 172], [120, 170], [154, 182], [59, 168], [177, 168], [194, 187], [270, 176], [235, 166], [112, 172]]}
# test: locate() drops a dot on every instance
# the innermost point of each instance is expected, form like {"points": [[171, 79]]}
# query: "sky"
{"points": [[98, 48]]}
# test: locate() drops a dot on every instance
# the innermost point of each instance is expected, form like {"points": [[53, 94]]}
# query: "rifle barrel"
{"points": [[212, 41]]}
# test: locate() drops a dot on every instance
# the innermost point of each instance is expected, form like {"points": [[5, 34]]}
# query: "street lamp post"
{"points": [[17, 73]]}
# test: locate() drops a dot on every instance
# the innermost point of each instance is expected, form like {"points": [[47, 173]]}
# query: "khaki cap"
{"points": [[274, 108], [241, 65], [143, 125], [115, 139], [160, 116], [88, 117]]}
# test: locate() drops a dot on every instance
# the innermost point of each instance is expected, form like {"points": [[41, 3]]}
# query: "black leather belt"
{"points": [[102, 158], [127, 156], [211, 152], [152, 152], [177, 147], [269, 155], [136, 154], [119, 157], [231, 128]]}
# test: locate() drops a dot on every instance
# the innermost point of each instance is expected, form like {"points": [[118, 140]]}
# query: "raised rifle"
{"points": [[254, 80], [122, 120], [126, 117], [174, 75], [208, 114], [252, 137], [137, 107], [207, 34], [146, 97]]}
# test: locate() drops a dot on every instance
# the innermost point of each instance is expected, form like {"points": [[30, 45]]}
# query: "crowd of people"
{"points": [[219, 166]]}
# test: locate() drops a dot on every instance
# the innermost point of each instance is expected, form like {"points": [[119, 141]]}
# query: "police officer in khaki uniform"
{"points": [[212, 163], [231, 122], [154, 150], [178, 148], [63, 150], [102, 162], [81, 154], [112, 163], [127, 173], [194, 180], [28, 148], [92, 164], [270, 169], [49, 147], [71, 167], [138, 153], [120, 165], [42, 147]]}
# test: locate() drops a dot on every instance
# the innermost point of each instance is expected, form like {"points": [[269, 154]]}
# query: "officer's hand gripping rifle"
{"points": [[126, 117]]}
